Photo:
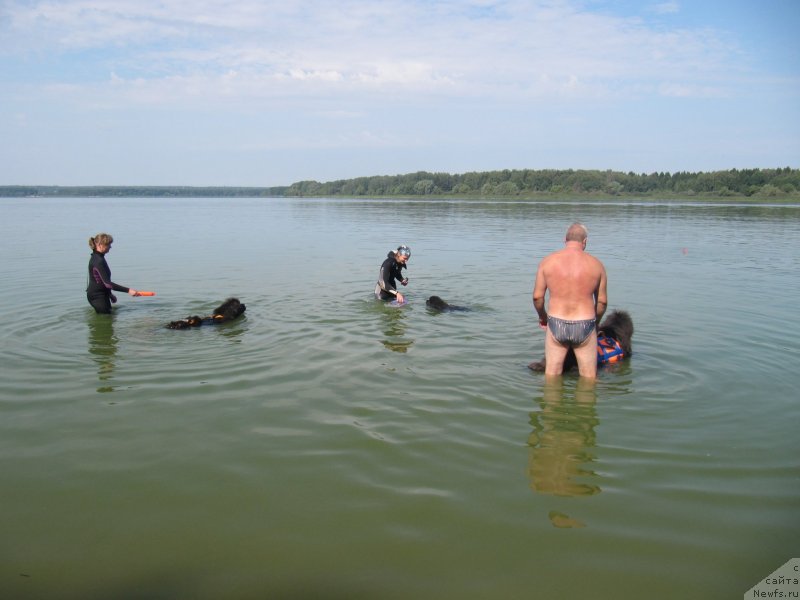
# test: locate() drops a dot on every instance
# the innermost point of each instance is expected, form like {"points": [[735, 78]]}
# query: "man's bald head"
{"points": [[577, 232]]}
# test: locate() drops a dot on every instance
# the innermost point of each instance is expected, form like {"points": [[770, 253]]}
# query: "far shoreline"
{"points": [[554, 198], [575, 199], [778, 186]]}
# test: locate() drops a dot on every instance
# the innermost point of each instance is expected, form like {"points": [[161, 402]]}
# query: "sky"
{"points": [[267, 93]]}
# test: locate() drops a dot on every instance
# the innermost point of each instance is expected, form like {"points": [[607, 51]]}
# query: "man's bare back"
{"points": [[576, 282]]}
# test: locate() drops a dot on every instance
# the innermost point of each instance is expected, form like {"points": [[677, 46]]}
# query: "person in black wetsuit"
{"points": [[100, 287], [391, 271]]}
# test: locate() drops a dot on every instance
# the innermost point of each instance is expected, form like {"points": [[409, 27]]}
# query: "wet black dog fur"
{"points": [[436, 303], [617, 325], [227, 311]]}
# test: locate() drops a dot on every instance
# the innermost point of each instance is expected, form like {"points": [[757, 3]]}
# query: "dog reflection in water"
{"points": [[227, 311]]}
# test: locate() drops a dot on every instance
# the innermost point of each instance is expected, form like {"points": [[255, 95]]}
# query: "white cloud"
{"points": [[447, 47], [371, 84], [680, 90], [666, 8], [307, 75]]}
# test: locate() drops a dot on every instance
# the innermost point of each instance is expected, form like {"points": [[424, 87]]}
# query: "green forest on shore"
{"points": [[774, 185], [761, 183]]}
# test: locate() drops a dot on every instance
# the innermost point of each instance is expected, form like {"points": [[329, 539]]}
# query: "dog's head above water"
{"points": [[619, 326], [436, 303], [229, 310]]}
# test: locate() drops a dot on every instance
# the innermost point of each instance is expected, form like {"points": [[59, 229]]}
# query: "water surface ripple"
{"points": [[327, 445]]}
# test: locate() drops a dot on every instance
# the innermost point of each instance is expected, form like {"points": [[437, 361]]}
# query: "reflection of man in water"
{"points": [[103, 347], [576, 282], [562, 439]]}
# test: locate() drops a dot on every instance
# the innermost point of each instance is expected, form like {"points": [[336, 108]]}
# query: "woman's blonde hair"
{"points": [[100, 238]]}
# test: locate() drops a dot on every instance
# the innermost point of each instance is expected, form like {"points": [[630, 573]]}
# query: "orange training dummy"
{"points": [[142, 293]]}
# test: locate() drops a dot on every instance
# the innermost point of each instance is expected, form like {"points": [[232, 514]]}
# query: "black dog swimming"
{"points": [[613, 342], [227, 311], [437, 303]]}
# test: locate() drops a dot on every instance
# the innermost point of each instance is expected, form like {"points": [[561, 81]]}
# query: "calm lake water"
{"points": [[328, 446]]}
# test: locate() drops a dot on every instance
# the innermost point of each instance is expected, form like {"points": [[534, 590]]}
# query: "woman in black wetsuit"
{"points": [[391, 271], [100, 287]]}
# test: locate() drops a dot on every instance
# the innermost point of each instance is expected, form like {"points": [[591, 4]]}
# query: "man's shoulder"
{"points": [[595, 260], [553, 256]]}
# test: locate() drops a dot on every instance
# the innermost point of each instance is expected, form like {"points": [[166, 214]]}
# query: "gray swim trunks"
{"points": [[570, 333]]}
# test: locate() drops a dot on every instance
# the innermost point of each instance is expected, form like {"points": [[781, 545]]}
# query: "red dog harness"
{"points": [[608, 350]]}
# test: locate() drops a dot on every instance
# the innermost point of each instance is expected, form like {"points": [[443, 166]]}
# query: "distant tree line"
{"points": [[781, 183], [770, 183], [139, 191]]}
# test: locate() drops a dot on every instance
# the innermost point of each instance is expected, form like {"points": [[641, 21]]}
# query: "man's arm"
{"points": [[601, 295], [539, 291]]}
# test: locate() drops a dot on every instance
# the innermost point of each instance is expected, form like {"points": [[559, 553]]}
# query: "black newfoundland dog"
{"points": [[436, 303], [227, 311], [613, 342]]}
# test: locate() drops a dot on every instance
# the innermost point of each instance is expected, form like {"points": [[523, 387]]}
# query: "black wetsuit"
{"points": [[391, 271], [98, 291]]}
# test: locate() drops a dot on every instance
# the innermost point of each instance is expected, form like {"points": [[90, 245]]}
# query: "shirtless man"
{"points": [[577, 284]]}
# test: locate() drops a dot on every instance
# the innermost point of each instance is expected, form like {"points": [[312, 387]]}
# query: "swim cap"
{"points": [[404, 251]]}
